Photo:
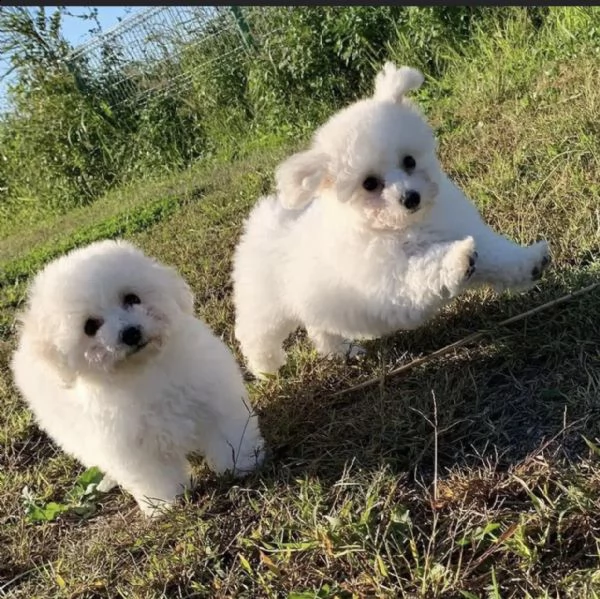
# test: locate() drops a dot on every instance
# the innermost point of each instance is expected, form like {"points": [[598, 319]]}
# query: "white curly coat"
{"points": [[349, 258], [137, 409]]}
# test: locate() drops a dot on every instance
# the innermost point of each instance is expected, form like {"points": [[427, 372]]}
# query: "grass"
{"points": [[473, 475]]}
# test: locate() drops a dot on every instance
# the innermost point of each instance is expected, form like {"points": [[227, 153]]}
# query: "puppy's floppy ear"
{"points": [[34, 332], [391, 83], [59, 363], [175, 286], [299, 176]]}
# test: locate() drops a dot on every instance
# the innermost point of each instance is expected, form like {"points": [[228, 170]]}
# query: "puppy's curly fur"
{"points": [[366, 235], [119, 372]]}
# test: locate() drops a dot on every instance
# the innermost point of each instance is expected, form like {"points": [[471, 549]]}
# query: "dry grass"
{"points": [[469, 476]]}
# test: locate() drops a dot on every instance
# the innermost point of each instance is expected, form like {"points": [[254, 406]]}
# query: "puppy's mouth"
{"points": [[151, 344], [138, 348]]}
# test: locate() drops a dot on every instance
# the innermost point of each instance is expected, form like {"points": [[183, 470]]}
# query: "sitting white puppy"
{"points": [[122, 376], [365, 236]]}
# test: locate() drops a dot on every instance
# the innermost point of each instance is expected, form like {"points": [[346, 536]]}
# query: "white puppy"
{"points": [[365, 236], [122, 376]]}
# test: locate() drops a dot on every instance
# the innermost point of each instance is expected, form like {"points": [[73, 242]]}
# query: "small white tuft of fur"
{"points": [[392, 83]]}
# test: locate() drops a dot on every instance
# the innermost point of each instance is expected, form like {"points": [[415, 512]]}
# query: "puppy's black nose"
{"points": [[412, 199], [131, 336]]}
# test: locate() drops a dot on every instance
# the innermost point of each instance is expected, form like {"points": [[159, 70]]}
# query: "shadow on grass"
{"points": [[502, 396]]}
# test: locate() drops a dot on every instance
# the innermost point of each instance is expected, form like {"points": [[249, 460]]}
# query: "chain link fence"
{"points": [[160, 90], [142, 56]]}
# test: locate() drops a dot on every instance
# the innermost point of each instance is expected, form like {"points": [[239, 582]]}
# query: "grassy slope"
{"points": [[364, 495]]}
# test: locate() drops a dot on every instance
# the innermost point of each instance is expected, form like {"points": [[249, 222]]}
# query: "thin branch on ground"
{"points": [[468, 339]]}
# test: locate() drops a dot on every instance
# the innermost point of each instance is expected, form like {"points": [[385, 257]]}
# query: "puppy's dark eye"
{"points": [[408, 162], [130, 299], [371, 183], [91, 326]]}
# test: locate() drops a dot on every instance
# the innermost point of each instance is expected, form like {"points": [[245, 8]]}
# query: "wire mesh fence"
{"points": [[143, 55], [168, 86]]}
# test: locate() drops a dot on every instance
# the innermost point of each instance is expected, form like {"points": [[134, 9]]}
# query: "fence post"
{"points": [[243, 27]]}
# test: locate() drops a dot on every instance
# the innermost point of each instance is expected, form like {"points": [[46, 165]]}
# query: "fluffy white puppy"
{"points": [[119, 372], [365, 236]]}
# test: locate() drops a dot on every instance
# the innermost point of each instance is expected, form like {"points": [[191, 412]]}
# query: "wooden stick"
{"points": [[472, 337]]}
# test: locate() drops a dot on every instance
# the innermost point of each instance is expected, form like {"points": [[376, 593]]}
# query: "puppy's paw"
{"points": [[239, 449], [106, 484], [543, 263], [237, 463], [458, 267], [471, 268], [335, 346], [266, 366], [524, 273], [352, 351], [155, 508], [249, 461]]}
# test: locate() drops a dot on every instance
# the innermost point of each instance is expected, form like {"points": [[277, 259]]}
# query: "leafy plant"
{"points": [[81, 500]]}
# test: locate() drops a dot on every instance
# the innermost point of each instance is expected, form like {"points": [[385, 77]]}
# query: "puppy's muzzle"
{"points": [[411, 200]]}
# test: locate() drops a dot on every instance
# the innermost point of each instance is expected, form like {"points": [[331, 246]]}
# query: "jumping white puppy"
{"points": [[122, 376], [365, 236]]}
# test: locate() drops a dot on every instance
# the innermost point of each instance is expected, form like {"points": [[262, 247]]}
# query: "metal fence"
{"points": [[156, 36]]}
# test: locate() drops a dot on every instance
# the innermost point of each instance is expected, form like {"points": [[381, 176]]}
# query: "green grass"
{"points": [[469, 476]]}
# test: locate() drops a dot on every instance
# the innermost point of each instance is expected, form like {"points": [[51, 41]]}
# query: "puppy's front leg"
{"points": [[154, 480], [503, 264], [233, 443], [434, 277]]}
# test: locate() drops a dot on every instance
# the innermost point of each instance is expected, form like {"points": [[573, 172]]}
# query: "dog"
{"points": [[366, 235], [122, 376]]}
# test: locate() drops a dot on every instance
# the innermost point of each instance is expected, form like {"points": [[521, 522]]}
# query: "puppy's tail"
{"points": [[392, 83]]}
